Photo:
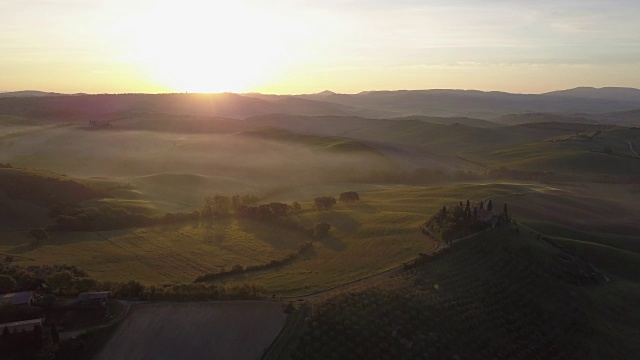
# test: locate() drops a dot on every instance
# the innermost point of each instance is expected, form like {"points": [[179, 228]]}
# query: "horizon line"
{"points": [[316, 93]]}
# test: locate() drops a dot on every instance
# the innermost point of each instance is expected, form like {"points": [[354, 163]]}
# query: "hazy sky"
{"points": [[308, 46]]}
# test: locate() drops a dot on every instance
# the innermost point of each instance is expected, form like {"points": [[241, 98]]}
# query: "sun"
{"points": [[212, 46]]}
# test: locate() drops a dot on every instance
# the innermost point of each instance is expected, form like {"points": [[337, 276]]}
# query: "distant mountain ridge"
{"points": [[478, 104], [28, 93], [609, 93], [446, 106]]}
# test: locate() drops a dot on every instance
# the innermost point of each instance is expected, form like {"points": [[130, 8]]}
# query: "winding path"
{"points": [[372, 278], [631, 148], [356, 283]]}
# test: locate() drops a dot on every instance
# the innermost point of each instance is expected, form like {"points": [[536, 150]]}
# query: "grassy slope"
{"points": [[565, 154], [601, 213], [158, 255], [595, 221], [138, 146], [25, 194], [500, 295], [378, 233], [616, 261]]}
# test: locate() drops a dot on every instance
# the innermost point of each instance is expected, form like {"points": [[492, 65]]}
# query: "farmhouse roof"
{"points": [[98, 295], [26, 325], [19, 298]]}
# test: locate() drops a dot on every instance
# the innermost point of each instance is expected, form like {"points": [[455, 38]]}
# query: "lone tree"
{"points": [[324, 202], [38, 234], [322, 229], [55, 337], [505, 212], [349, 197]]}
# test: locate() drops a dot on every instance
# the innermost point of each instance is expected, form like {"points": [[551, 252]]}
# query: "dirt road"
{"points": [[631, 148]]}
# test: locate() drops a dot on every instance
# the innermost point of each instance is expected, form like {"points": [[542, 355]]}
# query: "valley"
{"points": [[172, 201]]}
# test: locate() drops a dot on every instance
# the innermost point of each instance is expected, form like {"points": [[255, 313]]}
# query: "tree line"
{"points": [[68, 280], [239, 269], [463, 219]]}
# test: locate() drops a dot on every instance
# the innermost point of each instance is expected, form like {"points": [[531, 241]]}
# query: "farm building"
{"points": [[26, 325], [485, 215], [18, 299]]}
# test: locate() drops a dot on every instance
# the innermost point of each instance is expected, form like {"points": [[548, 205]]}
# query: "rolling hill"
{"points": [[528, 118], [606, 93], [473, 103], [27, 93], [501, 295], [626, 118]]}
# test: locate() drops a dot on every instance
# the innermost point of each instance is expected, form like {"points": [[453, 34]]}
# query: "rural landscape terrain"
{"points": [[422, 224]]}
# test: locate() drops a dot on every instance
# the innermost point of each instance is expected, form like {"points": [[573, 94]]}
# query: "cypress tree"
{"points": [[54, 333]]}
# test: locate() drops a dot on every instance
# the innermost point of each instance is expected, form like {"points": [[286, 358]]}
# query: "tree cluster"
{"points": [[245, 207], [70, 217], [28, 345], [71, 281], [266, 211], [349, 197], [221, 205], [239, 269], [324, 202], [457, 221]]}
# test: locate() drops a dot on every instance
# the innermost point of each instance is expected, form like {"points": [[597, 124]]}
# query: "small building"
{"points": [[26, 325], [485, 215], [18, 299], [97, 298]]}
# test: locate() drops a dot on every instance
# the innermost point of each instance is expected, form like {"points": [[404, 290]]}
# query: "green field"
{"points": [[379, 232], [156, 163]]}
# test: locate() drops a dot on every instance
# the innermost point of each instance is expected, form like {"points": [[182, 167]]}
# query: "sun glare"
{"points": [[208, 46]]}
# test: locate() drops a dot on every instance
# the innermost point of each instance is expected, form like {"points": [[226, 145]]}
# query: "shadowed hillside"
{"points": [[501, 295]]}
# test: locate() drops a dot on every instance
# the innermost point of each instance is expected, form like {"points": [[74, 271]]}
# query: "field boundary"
{"points": [[438, 245], [76, 332], [292, 326], [436, 248]]}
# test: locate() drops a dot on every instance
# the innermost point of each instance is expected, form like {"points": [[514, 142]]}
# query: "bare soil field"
{"points": [[233, 330]]}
